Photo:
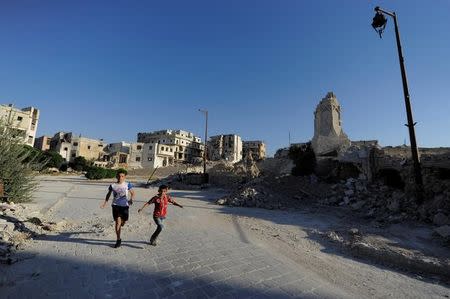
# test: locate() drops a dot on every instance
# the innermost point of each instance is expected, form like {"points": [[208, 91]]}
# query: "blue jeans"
{"points": [[159, 228]]}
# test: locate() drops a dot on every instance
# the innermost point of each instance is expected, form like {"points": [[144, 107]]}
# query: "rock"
{"points": [[35, 220], [358, 205], [394, 205], [443, 231], [441, 219], [349, 192], [353, 231], [335, 237]]}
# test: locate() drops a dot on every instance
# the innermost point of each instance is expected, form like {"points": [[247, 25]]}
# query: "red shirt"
{"points": [[160, 205]]}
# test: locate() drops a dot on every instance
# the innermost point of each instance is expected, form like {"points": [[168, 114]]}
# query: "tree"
{"points": [[18, 164], [54, 159], [79, 164]]}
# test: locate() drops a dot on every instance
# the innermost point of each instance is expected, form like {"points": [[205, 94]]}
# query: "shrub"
{"points": [[79, 164], [97, 173], [304, 159], [54, 159], [18, 164]]}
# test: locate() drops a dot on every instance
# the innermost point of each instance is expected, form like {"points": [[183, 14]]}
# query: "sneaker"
{"points": [[118, 242]]}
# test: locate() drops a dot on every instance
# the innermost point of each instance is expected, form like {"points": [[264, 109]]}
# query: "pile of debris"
{"points": [[375, 200], [279, 192], [17, 226]]}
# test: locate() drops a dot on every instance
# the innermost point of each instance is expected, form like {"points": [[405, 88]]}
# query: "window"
{"points": [[48, 141], [19, 118], [75, 144], [150, 158], [139, 147], [150, 147], [162, 148], [89, 147], [73, 155], [138, 159], [65, 148], [171, 150]]}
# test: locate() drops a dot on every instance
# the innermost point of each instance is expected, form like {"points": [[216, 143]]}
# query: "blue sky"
{"points": [[111, 69]]}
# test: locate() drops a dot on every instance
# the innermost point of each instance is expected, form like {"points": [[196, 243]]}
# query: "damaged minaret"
{"points": [[329, 138]]}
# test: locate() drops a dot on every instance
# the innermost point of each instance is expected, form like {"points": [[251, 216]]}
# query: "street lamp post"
{"points": [[379, 23], [206, 139]]}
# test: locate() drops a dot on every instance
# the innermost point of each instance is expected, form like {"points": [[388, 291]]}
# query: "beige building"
{"points": [[225, 147], [257, 148], [167, 147], [23, 121], [70, 147], [135, 159], [42, 143], [117, 154]]}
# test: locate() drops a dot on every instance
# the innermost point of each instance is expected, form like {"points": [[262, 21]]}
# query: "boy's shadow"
{"points": [[69, 237]]}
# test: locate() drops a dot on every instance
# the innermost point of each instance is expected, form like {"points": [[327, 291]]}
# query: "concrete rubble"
{"points": [[18, 225]]}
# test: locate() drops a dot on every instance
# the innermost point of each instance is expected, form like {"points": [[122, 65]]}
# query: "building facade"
{"points": [[23, 121], [70, 147], [257, 148], [117, 154], [167, 147], [42, 143], [225, 147]]}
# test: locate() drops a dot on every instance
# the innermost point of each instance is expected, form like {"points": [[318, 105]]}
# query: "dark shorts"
{"points": [[121, 212]]}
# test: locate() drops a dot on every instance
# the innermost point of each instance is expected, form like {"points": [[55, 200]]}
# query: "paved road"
{"points": [[200, 255]]}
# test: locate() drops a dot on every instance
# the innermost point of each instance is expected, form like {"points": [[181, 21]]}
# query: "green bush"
{"points": [[54, 159], [97, 173], [304, 159], [18, 164], [79, 164]]}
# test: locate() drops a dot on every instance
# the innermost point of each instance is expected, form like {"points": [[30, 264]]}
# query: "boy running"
{"points": [[161, 202], [120, 203]]}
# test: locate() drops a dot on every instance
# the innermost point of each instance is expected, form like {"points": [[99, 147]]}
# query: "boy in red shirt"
{"points": [[161, 202]]}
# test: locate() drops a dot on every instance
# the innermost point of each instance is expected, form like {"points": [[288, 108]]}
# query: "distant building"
{"points": [[42, 143], [136, 158], [167, 147], [23, 121], [225, 147], [257, 148], [118, 154], [70, 147]]}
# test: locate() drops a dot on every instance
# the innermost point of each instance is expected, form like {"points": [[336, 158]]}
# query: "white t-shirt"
{"points": [[120, 193]]}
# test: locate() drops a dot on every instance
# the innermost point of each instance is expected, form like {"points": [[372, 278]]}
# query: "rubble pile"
{"points": [[375, 200], [17, 226], [279, 192]]}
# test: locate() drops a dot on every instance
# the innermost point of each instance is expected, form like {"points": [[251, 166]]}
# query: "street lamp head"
{"points": [[379, 21]]}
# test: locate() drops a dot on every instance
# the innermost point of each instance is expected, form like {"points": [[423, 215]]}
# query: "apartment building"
{"points": [[135, 155], [70, 146], [166, 147], [42, 143], [257, 148], [225, 147], [23, 121], [117, 154]]}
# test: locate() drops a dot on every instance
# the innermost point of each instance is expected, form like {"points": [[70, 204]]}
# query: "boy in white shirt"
{"points": [[121, 203]]}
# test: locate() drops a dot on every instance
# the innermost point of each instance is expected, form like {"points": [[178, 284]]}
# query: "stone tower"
{"points": [[329, 138]]}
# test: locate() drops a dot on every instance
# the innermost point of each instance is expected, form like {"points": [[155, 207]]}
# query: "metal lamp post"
{"points": [[206, 138], [379, 23]]}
